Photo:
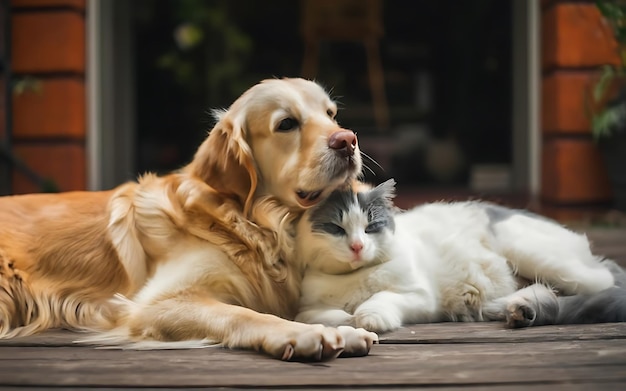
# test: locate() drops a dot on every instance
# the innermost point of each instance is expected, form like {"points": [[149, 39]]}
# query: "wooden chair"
{"points": [[347, 20]]}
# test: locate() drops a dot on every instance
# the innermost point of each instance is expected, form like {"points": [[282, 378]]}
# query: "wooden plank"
{"points": [[450, 332], [607, 236], [490, 332], [442, 364], [609, 242], [615, 253], [579, 386], [51, 338], [576, 214]]}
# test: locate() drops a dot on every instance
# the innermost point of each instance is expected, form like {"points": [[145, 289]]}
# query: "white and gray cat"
{"points": [[368, 265]]}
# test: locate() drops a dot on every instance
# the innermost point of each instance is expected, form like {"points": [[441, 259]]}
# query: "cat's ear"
{"points": [[386, 191]]}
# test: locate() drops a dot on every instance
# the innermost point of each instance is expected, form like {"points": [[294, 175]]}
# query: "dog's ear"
{"points": [[224, 161]]}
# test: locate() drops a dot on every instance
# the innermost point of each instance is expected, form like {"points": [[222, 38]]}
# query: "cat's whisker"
{"points": [[369, 169], [371, 159]]}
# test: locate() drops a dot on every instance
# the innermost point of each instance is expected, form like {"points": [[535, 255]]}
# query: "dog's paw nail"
{"points": [[288, 353]]}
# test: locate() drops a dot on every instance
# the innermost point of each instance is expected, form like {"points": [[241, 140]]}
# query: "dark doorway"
{"points": [[447, 70]]}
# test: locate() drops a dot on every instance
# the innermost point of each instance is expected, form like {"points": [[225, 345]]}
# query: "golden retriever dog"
{"points": [[202, 254]]}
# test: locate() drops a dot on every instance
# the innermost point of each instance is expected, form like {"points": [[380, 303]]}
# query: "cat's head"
{"points": [[348, 230]]}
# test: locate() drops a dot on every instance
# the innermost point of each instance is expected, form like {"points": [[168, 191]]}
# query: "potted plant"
{"points": [[608, 104]]}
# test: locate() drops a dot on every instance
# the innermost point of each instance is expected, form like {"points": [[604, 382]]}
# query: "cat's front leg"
{"points": [[387, 311], [332, 317]]}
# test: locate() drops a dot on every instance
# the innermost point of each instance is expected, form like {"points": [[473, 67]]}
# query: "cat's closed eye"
{"points": [[375, 227], [333, 229]]}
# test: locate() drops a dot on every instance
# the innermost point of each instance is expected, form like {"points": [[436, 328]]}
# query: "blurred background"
{"points": [[444, 76], [455, 99], [444, 71]]}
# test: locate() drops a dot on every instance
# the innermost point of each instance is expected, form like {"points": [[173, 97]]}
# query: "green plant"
{"points": [[210, 48], [27, 83], [608, 97]]}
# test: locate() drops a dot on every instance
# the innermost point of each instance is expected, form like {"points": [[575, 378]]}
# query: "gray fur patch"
{"points": [[331, 210], [378, 204], [375, 203], [497, 213]]}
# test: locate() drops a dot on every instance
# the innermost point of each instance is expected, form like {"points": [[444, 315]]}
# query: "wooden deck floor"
{"points": [[442, 356]]}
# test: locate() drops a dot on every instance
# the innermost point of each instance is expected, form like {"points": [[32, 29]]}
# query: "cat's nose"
{"points": [[344, 142], [356, 247]]}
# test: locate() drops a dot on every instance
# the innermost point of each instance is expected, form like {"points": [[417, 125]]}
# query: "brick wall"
{"points": [[49, 123], [575, 42]]}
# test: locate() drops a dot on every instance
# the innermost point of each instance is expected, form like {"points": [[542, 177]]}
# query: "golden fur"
{"points": [[200, 254]]}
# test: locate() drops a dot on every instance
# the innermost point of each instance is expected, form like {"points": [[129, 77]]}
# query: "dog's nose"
{"points": [[343, 141]]}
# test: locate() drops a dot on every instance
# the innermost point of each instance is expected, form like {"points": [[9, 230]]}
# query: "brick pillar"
{"points": [[48, 43], [575, 42]]}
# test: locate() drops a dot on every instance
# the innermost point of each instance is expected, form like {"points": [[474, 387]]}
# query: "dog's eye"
{"points": [[330, 113], [287, 125]]}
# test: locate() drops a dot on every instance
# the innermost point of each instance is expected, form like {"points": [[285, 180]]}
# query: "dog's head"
{"points": [[280, 138]]}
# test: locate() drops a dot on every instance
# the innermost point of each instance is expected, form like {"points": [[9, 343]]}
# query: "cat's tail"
{"points": [[537, 305], [608, 305]]}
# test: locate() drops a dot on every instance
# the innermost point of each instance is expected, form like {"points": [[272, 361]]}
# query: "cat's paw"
{"points": [[520, 314], [377, 321], [534, 305], [358, 341], [333, 317], [471, 297]]}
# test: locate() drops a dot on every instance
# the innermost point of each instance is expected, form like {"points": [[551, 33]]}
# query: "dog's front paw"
{"points": [[307, 342], [358, 342]]}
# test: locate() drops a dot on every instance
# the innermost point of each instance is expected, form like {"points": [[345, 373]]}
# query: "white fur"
{"points": [[445, 261], [189, 270]]}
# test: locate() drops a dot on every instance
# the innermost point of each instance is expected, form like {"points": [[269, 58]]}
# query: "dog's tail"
{"points": [[26, 309], [18, 305]]}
